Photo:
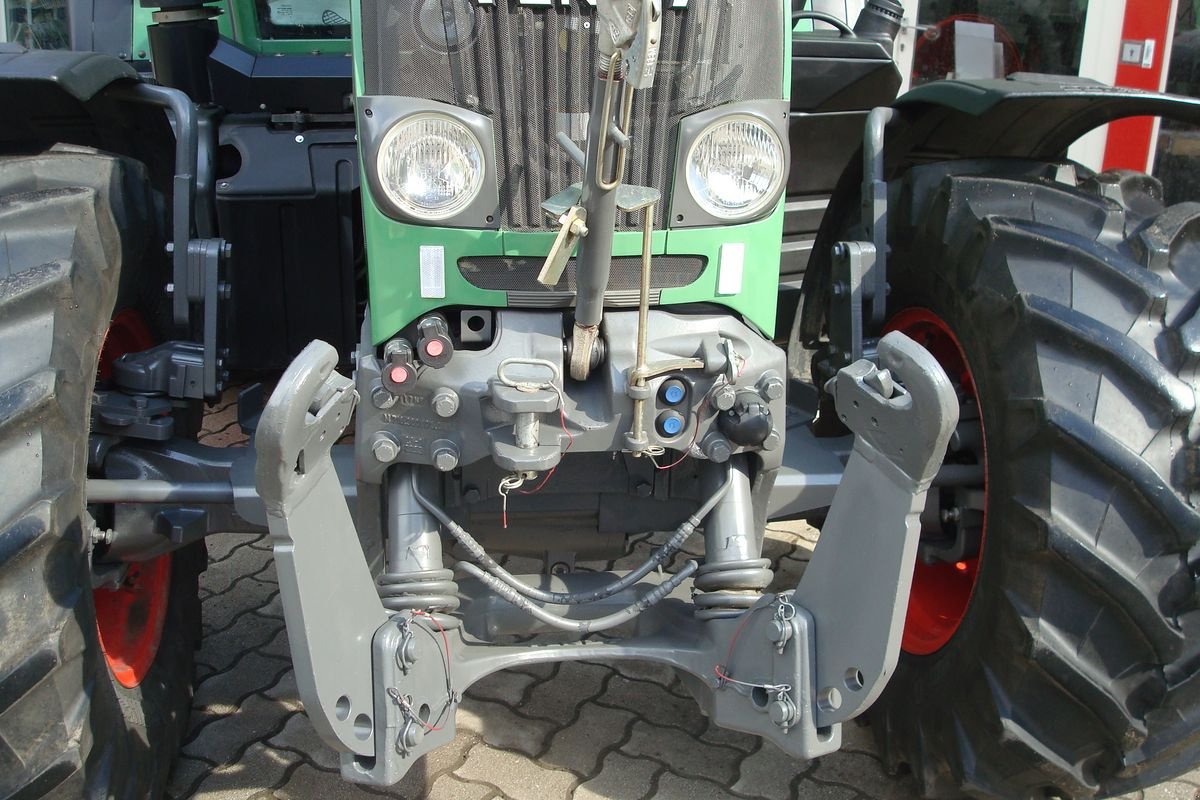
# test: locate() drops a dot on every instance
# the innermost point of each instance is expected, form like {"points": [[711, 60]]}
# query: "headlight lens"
{"points": [[736, 167], [430, 166]]}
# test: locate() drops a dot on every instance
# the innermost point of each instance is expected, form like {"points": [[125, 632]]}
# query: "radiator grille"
{"points": [[530, 68], [516, 274]]}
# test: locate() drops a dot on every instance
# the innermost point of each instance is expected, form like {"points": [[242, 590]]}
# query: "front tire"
{"points": [[1074, 671], [70, 219]]}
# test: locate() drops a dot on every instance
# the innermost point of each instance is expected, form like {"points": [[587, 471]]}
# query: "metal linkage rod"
{"points": [[138, 491]]}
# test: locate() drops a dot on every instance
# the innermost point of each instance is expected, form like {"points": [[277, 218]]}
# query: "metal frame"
{"points": [[779, 669]]}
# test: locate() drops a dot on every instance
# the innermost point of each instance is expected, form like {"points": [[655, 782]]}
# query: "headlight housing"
{"points": [[736, 167], [430, 166]]}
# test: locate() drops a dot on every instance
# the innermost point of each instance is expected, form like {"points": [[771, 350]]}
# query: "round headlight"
{"points": [[430, 166], [735, 168]]}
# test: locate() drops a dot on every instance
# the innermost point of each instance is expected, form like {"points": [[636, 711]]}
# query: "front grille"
{"points": [[530, 69], [516, 274]]}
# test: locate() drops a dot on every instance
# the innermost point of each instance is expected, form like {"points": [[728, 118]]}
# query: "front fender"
{"points": [[1034, 117]]}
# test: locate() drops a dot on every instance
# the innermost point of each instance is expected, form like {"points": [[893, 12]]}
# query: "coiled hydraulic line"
{"points": [[734, 574], [520, 594], [430, 590]]}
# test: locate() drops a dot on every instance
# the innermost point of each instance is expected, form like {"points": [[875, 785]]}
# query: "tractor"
{"points": [[527, 252]]}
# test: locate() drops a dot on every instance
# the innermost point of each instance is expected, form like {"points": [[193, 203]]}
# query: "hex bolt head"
{"points": [[445, 455], [723, 397], [771, 387], [716, 449], [384, 448], [381, 398], [445, 403]]}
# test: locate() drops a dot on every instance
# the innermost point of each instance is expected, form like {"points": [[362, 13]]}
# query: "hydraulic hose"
{"points": [[581, 626], [658, 558]]}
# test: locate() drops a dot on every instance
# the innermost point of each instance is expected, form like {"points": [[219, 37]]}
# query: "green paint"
{"points": [[394, 251]]}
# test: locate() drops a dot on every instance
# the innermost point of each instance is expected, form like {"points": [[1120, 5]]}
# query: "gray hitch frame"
{"points": [[383, 688]]}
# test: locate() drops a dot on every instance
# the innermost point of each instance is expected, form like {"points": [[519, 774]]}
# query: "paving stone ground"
{"points": [[578, 730]]}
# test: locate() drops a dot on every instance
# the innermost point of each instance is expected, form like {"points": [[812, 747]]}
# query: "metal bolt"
{"points": [[413, 736], [772, 441], [224, 290], [170, 247], [783, 712], [839, 250], [560, 568], [226, 250], [381, 398], [299, 138], [952, 514], [643, 489], [445, 403], [723, 397], [717, 449], [771, 387], [141, 402], [408, 651], [169, 288], [141, 54], [471, 494], [384, 449], [840, 289], [779, 632], [222, 184], [445, 456]]}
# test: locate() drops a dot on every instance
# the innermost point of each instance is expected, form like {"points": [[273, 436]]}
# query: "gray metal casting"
{"points": [[862, 578], [791, 667], [597, 412], [330, 605]]}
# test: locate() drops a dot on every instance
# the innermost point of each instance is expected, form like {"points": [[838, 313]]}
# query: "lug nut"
{"points": [[384, 449]]}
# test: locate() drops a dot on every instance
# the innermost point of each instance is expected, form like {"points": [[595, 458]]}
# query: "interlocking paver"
{"points": [[501, 727], [620, 776], [254, 775], [220, 739], [664, 708], [579, 746], [560, 699], [768, 772], [516, 777], [683, 753]]}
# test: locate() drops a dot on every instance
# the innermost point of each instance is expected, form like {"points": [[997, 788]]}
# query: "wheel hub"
{"points": [[941, 590]]}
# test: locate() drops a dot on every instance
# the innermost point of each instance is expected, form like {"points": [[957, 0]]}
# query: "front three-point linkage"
{"points": [[627, 58]]}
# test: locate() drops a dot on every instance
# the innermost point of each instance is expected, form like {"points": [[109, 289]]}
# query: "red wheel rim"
{"points": [[941, 592], [130, 618], [127, 333]]}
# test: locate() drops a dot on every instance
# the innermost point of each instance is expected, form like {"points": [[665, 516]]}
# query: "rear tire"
{"points": [[1074, 671], [70, 219]]}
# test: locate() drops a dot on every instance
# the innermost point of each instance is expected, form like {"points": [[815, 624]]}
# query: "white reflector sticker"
{"points": [[729, 276], [433, 271]]}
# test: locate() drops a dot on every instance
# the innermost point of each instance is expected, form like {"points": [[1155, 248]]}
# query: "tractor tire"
{"points": [[1075, 669], [70, 219]]}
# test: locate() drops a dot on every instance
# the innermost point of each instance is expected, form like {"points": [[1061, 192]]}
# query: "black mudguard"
{"points": [[1034, 117]]}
